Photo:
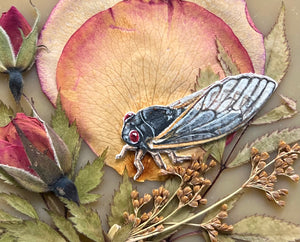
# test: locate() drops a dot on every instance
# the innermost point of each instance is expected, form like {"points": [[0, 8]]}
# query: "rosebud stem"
{"points": [[15, 83]]}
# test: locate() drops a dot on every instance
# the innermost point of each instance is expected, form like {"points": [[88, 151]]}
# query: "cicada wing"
{"points": [[223, 107]]}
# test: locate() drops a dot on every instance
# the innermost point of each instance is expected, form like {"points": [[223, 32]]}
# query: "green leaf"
{"points": [[67, 132], [215, 148], [206, 77], [26, 54], [7, 56], [122, 234], [7, 178], [284, 111], [121, 202], [20, 204], [65, 227], [5, 114], [5, 217], [266, 143], [230, 205], [85, 220], [268, 228], [29, 231], [228, 65], [89, 178], [172, 184], [7, 238], [277, 49]]}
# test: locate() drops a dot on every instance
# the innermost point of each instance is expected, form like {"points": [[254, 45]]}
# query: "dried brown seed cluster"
{"points": [[160, 196], [282, 166], [192, 182], [216, 225]]}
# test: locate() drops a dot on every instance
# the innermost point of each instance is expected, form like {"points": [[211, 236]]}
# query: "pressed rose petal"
{"points": [[134, 55], [12, 21], [65, 12], [235, 14]]}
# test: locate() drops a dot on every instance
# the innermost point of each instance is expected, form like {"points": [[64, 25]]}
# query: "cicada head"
{"points": [[130, 133]]}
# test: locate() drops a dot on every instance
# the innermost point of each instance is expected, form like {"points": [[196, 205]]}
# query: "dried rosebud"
{"points": [[36, 157], [18, 45]]}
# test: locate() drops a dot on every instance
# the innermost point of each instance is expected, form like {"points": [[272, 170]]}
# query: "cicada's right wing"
{"points": [[223, 107]]}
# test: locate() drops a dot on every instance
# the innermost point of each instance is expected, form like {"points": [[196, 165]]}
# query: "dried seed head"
{"points": [[207, 182], [135, 203], [196, 188], [166, 193], [141, 201], [283, 192], [281, 203], [159, 228], [261, 165], [279, 171], [254, 151], [212, 163], [126, 215], [198, 197], [189, 172], [264, 156], [289, 161], [187, 190], [158, 200], [144, 217], [290, 170], [203, 167], [263, 174], [131, 218], [195, 166], [224, 207], [147, 198], [184, 199], [134, 194], [294, 177], [161, 190], [203, 201], [193, 204], [186, 178], [222, 215], [278, 162], [179, 193], [137, 222], [155, 192]]}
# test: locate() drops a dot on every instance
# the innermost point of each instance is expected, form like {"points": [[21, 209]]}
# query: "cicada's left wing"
{"points": [[222, 108]]}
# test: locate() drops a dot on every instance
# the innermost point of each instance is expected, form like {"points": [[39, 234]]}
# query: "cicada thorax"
{"points": [[146, 124]]}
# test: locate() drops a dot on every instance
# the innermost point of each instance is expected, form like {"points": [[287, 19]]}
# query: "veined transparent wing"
{"points": [[221, 109]]}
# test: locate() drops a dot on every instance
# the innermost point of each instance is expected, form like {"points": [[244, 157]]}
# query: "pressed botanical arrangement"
{"points": [[160, 91]]}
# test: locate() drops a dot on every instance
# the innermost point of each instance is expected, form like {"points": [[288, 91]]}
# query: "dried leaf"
{"points": [[88, 178], [122, 234], [172, 184], [266, 143], [228, 65], [230, 205], [67, 132], [7, 178], [277, 49], [225, 238], [268, 228], [7, 237], [5, 114], [215, 148], [6, 217], [65, 227], [85, 220], [32, 231], [121, 202], [284, 111], [20, 204], [205, 77]]}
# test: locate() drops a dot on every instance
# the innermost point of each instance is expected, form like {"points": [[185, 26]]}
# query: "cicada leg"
{"points": [[139, 154], [158, 160], [177, 159], [124, 150]]}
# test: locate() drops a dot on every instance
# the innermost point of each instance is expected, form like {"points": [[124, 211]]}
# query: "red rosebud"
{"points": [[36, 157], [12, 22]]}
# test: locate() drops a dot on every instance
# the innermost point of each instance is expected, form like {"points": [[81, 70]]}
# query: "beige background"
{"points": [[264, 13]]}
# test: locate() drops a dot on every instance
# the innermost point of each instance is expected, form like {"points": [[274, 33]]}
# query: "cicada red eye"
{"points": [[134, 136], [128, 115]]}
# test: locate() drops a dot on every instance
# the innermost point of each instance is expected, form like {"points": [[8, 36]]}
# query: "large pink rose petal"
{"points": [[133, 55]]}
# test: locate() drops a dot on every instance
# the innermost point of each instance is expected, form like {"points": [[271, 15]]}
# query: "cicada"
{"points": [[198, 118]]}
